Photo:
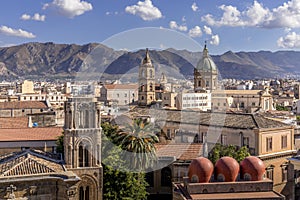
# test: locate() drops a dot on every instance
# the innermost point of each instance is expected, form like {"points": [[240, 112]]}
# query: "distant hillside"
{"points": [[60, 60]]}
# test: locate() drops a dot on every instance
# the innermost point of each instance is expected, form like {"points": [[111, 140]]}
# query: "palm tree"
{"points": [[137, 142]]}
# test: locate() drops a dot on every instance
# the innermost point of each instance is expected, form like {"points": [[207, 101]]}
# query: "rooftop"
{"points": [[13, 122], [179, 151], [23, 105], [219, 119], [28, 162], [121, 86], [30, 134]]}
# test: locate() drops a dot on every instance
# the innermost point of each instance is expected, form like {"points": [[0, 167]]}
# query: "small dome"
{"points": [[226, 169], [206, 63], [200, 170], [252, 169]]}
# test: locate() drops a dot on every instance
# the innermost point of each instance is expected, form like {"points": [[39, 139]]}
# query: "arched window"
{"points": [[84, 155], [150, 178], [80, 157], [87, 193], [84, 193], [151, 73], [81, 193], [151, 87], [166, 177], [143, 73], [142, 88], [86, 119]]}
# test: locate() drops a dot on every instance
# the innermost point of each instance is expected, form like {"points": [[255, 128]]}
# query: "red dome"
{"points": [[200, 170], [252, 169], [226, 169]]}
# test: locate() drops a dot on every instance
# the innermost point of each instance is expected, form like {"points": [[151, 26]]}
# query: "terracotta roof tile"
{"points": [[121, 86], [182, 151], [23, 105], [13, 122], [30, 134], [28, 163]]}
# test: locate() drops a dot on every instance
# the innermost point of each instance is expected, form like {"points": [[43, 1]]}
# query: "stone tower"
{"points": [[146, 81], [82, 145], [206, 73]]}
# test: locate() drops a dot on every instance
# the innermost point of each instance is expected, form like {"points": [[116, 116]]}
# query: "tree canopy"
{"points": [[219, 151], [137, 142], [119, 183]]}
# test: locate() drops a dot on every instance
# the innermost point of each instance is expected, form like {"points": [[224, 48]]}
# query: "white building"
{"points": [[119, 94], [201, 101]]}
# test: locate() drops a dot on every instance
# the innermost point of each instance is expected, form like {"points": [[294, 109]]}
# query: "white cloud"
{"points": [[25, 17], [174, 25], [215, 40], [195, 32], [285, 16], [69, 8], [291, 40], [207, 30], [145, 10], [16, 32], [183, 19], [194, 7], [35, 17], [38, 17]]}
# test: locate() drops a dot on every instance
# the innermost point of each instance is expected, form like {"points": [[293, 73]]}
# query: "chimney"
{"points": [[29, 122]]}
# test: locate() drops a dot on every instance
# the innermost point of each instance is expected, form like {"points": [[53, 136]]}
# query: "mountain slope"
{"points": [[59, 60]]}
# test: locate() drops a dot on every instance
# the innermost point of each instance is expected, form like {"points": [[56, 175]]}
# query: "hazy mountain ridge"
{"points": [[42, 59]]}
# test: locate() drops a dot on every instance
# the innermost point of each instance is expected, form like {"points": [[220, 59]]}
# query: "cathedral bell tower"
{"points": [[146, 81], [82, 145], [206, 73]]}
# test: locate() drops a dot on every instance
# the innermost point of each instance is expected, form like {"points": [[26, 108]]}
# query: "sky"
{"points": [[234, 25]]}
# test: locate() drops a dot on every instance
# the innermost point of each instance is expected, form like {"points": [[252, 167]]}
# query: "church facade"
{"points": [[33, 174]]}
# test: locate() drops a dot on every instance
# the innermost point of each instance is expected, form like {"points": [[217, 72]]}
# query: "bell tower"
{"points": [[146, 81], [82, 145]]}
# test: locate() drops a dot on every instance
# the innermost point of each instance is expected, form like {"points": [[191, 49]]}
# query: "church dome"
{"points": [[200, 170], [226, 169], [206, 63], [252, 169]]}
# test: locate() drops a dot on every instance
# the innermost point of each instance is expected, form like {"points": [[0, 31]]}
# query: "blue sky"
{"points": [[184, 24]]}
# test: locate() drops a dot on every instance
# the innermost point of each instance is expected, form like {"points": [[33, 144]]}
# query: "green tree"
{"points": [[119, 183], [137, 140], [281, 108], [60, 144], [220, 151]]}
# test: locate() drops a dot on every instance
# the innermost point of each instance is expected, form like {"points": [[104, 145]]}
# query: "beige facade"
{"points": [[27, 87], [169, 99], [242, 100]]}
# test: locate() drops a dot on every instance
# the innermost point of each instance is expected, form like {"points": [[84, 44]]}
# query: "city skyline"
{"points": [[225, 25]]}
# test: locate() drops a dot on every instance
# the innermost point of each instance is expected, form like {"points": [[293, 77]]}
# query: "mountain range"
{"points": [[50, 60]]}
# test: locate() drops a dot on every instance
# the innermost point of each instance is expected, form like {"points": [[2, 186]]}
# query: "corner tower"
{"points": [[206, 73], [146, 81]]}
